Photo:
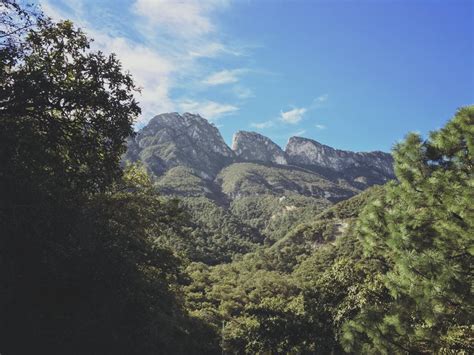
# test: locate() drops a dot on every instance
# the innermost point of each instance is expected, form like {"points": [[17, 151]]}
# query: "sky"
{"points": [[355, 75]]}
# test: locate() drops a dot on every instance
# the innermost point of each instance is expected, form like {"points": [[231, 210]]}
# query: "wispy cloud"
{"points": [[209, 109], [172, 37], [152, 71], [243, 92], [322, 98], [293, 116], [298, 133], [262, 125], [183, 18], [319, 101], [320, 126], [224, 77]]}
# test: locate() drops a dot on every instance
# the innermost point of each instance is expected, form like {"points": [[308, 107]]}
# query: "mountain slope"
{"points": [[251, 146], [359, 169], [171, 140], [254, 191]]}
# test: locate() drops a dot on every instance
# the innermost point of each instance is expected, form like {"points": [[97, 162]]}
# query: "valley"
{"points": [[259, 189]]}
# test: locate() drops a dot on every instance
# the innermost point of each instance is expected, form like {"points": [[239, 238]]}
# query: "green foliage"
{"points": [[248, 179], [388, 271], [352, 207], [275, 325], [257, 305], [182, 181], [423, 229], [209, 233], [274, 216], [80, 269], [94, 261], [66, 112], [310, 233]]}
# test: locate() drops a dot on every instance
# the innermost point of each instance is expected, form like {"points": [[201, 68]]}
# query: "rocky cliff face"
{"points": [[171, 140], [307, 152], [251, 146], [188, 140]]}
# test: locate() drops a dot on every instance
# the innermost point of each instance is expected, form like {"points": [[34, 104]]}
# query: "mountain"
{"points": [[360, 169], [171, 140], [251, 146], [253, 193]]}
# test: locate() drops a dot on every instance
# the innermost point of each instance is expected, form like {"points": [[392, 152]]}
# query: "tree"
{"points": [[423, 229], [65, 114], [80, 269]]}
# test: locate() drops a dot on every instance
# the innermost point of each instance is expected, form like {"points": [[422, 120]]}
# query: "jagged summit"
{"points": [[305, 151], [252, 146], [171, 139], [189, 140]]}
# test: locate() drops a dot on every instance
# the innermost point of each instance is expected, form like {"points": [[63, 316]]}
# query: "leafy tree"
{"points": [[66, 112], [80, 269], [274, 325]]}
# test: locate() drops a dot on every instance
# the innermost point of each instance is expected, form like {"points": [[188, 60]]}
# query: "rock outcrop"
{"points": [[171, 139], [307, 152], [251, 146]]}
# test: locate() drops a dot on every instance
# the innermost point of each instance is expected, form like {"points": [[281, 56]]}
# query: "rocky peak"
{"points": [[187, 128], [304, 151], [251, 146], [188, 140], [171, 139]]}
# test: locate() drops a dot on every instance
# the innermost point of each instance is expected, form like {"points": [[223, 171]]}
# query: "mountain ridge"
{"points": [[173, 139], [253, 193]]}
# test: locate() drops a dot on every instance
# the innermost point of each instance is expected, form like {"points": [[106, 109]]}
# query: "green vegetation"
{"points": [[291, 297], [220, 228], [396, 279], [274, 216], [80, 271], [95, 260], [182, 181], [423, 229], [209, 233], [247, 179]]}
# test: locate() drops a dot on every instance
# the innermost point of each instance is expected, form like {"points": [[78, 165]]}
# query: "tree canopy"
{"points": [[94, 261], [80, 269]]}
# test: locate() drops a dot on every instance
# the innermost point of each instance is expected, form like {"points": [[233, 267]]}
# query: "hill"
{"points": [[249, 195]]}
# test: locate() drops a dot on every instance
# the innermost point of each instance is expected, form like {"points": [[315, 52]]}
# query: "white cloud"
{"points": [[224, 77], [298, 133], [52, 11], [320, 126], [243, 92], [207, 50], [296, 114], [322, 98], [184, 18], [176, 34], [262, 125], [209, 109], [319, 101], [293, 116], [152, 72]]}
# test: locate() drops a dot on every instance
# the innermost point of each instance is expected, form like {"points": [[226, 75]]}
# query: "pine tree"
{"points": [[424, 230]]}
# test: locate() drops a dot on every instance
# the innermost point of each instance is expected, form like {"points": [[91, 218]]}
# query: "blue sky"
{"points": [[355, 75]]}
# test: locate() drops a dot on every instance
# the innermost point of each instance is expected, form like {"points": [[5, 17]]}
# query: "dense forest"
{"points": [[95, 260]]}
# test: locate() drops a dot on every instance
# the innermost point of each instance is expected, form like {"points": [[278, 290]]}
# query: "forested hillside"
{"points": [[241, 198], [118, 242]]}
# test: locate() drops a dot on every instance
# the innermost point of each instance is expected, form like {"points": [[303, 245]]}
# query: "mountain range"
{"points": [[252, 193], [189, 141]]}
